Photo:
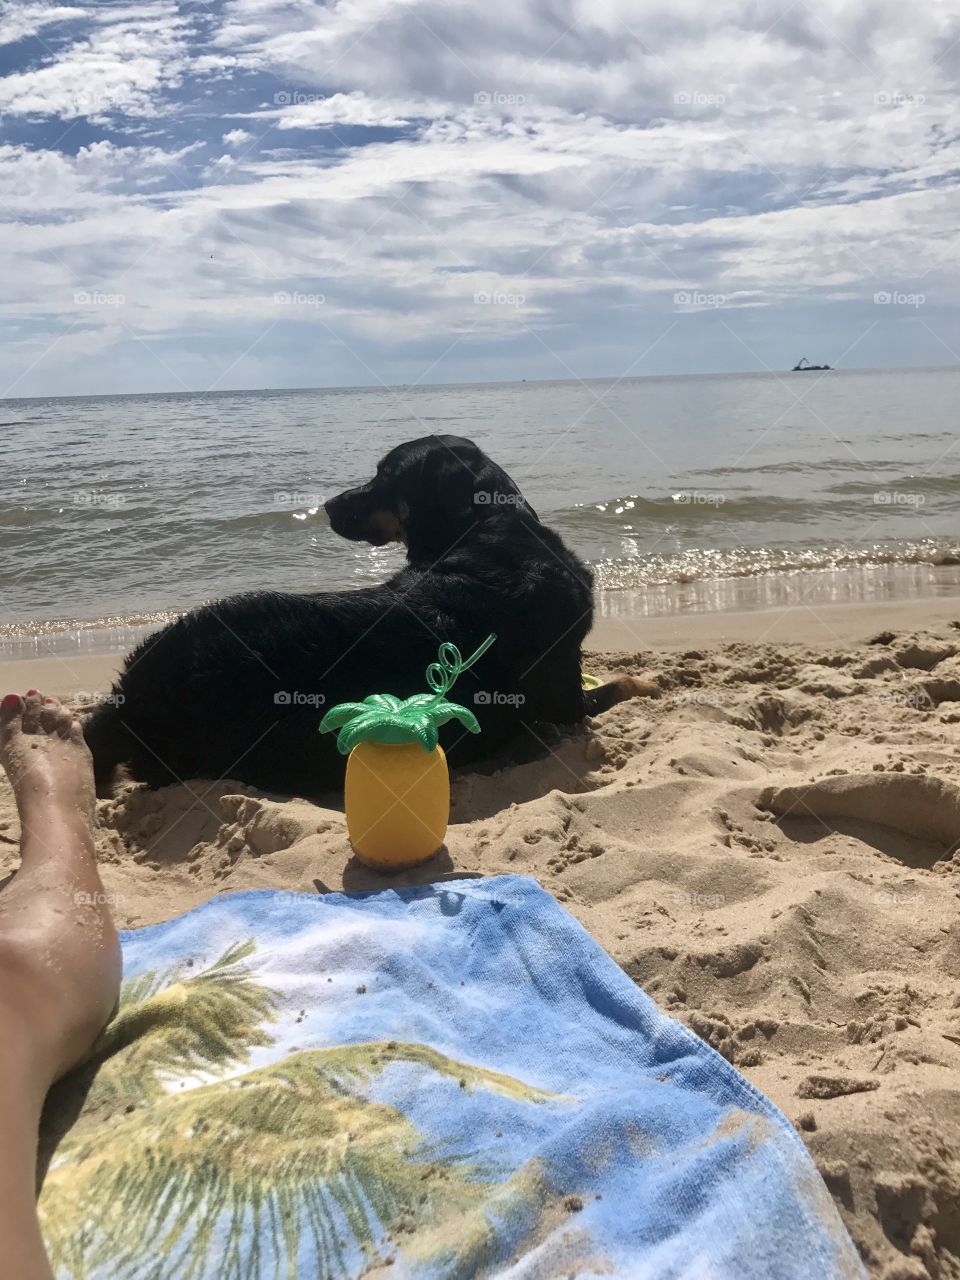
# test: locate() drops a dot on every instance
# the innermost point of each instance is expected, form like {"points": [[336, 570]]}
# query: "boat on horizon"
{"points": [[803, 365]]}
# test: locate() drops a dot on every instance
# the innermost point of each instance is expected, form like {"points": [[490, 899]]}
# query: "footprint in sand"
{"points": [[917, 805]]}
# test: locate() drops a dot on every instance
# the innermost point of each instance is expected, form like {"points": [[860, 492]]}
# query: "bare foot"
{"points": [[46, 759]]}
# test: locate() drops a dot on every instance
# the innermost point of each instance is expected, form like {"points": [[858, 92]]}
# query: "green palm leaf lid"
{"points": [[383, 718]]}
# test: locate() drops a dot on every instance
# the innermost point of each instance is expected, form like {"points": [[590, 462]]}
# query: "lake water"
{"points": [[128, 507]]}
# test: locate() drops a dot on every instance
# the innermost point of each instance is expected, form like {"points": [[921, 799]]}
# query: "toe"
{"points": [[50, 713], [11, 718], [31, 714], [65, 720], [11, 733], [11, 709]]}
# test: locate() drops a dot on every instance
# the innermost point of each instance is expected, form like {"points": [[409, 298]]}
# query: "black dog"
{"points": [[237, 689]]}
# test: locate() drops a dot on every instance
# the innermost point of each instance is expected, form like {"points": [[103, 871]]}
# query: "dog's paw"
{"points": [[636, 687]]}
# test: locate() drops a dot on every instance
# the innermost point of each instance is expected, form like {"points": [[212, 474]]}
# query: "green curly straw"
{"points": [[383, 718]]}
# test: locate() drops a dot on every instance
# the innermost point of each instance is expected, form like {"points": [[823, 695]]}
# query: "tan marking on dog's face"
{"points": [[387, 525]]}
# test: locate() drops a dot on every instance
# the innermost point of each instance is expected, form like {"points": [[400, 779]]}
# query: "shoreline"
{"points": [[656, 604], [86, 675]]}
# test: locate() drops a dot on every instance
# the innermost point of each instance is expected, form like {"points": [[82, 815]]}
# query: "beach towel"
{"points": [[450, 1080]]}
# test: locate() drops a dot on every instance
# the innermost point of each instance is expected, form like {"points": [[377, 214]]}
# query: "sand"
{"points": [[767, 850]]}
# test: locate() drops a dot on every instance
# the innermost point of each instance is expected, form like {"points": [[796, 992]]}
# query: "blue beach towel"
{"points": [[450, 1080]]}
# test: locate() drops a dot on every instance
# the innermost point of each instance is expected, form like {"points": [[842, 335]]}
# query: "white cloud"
{"points": [[17, 21], [300, 110], [119, 67], [55, 188], [591, 156], [220, 167]]}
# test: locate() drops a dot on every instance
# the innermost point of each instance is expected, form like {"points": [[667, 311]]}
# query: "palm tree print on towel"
{"points": [[288, 1169]]}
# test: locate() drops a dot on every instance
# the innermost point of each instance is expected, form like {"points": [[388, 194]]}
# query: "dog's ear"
{"points": [[459, 486], [467, 482]]}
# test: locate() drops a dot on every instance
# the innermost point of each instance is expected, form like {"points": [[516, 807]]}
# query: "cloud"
{"points": [[18, 21], [403, 158], [119, 67], [299, 110]]}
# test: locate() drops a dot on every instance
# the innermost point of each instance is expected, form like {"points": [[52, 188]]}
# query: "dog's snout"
{"points": [[345, 512], [358, 516]]}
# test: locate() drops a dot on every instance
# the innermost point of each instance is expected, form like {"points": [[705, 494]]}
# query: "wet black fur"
{"points": [[202, 698]]}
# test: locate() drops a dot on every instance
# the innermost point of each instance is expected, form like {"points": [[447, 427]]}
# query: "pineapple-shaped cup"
{"points": [[397, 789]]}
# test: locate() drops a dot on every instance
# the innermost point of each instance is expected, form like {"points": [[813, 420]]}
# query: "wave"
{"points": [[107, 506], [636, 573], [697, 564], [903, 484], [304, 509], [690, 505], [797, 465], [38, 628]]}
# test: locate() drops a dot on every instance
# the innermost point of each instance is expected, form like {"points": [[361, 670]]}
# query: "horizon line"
{"points": [[481, 382]]}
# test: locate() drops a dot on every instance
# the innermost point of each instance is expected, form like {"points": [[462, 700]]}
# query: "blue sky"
{"points": [[252, 193]]}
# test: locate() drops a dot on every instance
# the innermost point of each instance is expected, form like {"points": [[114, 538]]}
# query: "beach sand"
{"points": [[766, 850]]}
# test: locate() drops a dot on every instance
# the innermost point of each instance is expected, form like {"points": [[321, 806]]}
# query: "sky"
{"points": [[274, 193]]}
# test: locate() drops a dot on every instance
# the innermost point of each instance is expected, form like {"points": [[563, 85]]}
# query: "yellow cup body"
{"points": [[397, 801]]}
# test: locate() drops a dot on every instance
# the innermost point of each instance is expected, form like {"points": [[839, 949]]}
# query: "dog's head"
{"points": [[427, 493]]}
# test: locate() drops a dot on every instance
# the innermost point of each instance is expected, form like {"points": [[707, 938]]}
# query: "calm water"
{"points": [[133, 505]]}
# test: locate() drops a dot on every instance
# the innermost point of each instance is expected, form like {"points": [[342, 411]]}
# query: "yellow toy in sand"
{"points": [[397, 789]]}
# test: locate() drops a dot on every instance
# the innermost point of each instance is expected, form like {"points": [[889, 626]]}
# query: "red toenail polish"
{"points": [[10, 701], [33, 693], [49, 699]]}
